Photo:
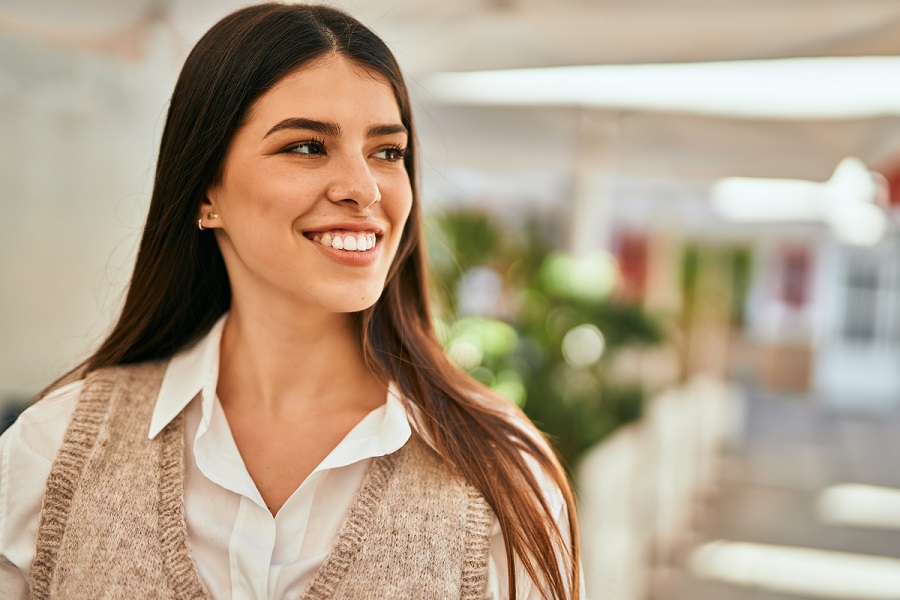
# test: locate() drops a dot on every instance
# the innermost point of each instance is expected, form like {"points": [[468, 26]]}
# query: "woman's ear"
{"points": [[207, 217]]}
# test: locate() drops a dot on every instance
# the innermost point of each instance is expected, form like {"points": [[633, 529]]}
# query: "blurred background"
{"points": [[665, 228]]}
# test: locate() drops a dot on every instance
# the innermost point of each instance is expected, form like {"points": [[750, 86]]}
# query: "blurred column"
{"points": [[662, 293], [663, 296], [594, 179], [708, 330]]}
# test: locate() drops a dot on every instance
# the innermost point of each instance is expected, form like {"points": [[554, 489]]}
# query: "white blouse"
{"points": [[241, 550]]}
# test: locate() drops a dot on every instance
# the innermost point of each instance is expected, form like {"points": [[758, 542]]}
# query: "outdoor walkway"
{"points": [[771, 490]]}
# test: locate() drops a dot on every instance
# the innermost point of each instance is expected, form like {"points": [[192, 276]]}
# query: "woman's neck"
{"points": [[298, 361]]}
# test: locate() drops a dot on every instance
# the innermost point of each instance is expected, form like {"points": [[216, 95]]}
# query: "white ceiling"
{"points": [[437, 35]]}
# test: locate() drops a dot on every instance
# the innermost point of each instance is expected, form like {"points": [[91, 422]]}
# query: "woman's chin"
{"points": [[353, 302]]}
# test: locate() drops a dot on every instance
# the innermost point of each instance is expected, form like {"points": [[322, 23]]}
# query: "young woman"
{"points": [[272, 416]]}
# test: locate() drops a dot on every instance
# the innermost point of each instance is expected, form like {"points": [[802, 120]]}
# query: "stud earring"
{"points": [[209, 216]]}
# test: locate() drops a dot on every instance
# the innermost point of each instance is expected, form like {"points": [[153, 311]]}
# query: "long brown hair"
{"points": [[180, 287]]}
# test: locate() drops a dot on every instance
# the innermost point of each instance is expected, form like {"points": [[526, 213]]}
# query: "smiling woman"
{"points": [[272, 415]]}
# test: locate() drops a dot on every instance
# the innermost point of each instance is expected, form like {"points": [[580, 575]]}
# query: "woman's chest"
{"points": [[240, 548], [279, 455], [241, 551]]}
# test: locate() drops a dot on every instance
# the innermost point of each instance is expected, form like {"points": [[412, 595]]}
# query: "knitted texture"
{"points": [[415, 530], [112, 521]]}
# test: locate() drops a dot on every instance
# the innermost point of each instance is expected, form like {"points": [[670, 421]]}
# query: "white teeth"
{"points": [[361, 242]]}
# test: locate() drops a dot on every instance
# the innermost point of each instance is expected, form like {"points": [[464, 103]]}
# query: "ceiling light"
{"points": [[848, 202], [794, 88]]}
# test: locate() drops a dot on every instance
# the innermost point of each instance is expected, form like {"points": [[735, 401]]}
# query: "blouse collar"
{"points": [[190, 371]]}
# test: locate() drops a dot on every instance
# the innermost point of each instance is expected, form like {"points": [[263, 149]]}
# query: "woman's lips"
{"points": [[346, 241], [352, 248]]}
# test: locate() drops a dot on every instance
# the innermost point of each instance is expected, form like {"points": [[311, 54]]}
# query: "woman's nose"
{"points": [[354, 183]]}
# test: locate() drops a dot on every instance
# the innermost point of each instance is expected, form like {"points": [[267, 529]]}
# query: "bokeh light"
{"points": [[465, 352], [490, 336], [583, 346], [509, 384], [589, 277]]}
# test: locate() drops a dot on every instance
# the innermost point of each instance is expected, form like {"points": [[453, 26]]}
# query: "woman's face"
{"points": [[314, 193]]}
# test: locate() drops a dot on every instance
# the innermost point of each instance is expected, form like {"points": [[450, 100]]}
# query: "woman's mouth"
{"points": [[345, 240]]}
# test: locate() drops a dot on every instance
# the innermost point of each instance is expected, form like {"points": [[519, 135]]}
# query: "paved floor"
{"points": [[792, 449]]}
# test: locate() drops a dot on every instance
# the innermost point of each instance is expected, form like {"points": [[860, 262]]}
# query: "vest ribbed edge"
{"points": [[180, 567], [79, 441], [479, 520], [353, 532]]}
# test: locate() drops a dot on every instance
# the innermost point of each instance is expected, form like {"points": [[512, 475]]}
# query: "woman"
{"points": [[272, 415]]}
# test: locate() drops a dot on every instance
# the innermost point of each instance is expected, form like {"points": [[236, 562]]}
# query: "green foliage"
{"points": [[552, 336], [741, 271], [736, 261]]}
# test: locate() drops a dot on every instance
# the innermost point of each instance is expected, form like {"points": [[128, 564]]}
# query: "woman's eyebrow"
{"points": [[333, 129], [380, 130]]}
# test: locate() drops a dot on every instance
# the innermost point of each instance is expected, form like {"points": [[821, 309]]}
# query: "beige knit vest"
{"points": [[112, 520]]}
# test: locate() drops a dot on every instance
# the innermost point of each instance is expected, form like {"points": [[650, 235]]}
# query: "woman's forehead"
{"points": [[332, 87]]}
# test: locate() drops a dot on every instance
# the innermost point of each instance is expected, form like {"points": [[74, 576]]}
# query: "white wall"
{"points": [[79, 137]]}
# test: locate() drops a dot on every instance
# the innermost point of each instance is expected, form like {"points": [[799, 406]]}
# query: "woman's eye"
{"points": [[392, 154], [311, 148]]}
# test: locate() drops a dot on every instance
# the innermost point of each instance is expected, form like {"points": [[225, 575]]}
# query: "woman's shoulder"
{"points": [[39, 430], [41, 427], [27, 450]]}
